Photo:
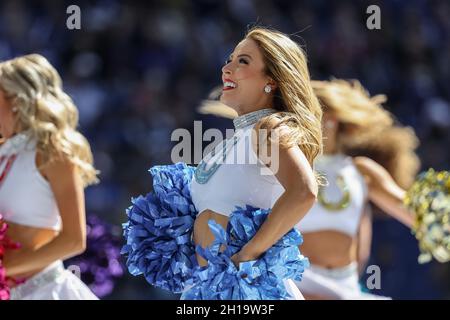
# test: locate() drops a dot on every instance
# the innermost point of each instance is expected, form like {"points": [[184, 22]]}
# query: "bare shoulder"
{"points": [[60, 167], [371, 169], [364, 163]]}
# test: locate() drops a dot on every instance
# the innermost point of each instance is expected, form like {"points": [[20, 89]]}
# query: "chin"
{"points": [[227, 102]]}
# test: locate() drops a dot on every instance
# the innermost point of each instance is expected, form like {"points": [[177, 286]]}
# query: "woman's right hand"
{"points": [[242, 256]]}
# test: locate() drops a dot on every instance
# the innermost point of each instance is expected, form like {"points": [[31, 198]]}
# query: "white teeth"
{"points": [[228, 84]]}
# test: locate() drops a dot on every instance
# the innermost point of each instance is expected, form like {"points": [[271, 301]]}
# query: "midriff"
{"points": [[202, 234], [30, 239], [329, 249]]}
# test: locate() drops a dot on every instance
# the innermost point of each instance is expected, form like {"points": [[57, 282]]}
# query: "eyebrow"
{"points": [[242, 55]]}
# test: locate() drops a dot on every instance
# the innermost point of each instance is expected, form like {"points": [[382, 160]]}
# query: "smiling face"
{"points": [[6, 117], [244, 79]]}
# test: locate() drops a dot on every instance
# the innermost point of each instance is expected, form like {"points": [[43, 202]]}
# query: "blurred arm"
{"points": [[383, 190], [364, 238]]}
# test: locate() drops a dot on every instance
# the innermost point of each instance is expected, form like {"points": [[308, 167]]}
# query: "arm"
{"points": [[364, 238], [296, 176], [383, 190], [68, 190]]}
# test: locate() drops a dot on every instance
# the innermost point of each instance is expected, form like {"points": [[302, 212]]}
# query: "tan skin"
{"points": [[333, 249], [246, 69], [40, 246]]}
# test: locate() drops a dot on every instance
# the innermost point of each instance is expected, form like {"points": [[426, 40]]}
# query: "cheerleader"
{"points": [[45, 163], [337, 230], [266, 81], [354, 124]]}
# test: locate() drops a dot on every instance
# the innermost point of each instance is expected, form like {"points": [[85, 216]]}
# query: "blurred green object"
{"points": [[429, 199]]}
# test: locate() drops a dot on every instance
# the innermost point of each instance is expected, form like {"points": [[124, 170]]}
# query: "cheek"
{"points": [[2, 112], [252, 82], [6, 113], [248, 74]]}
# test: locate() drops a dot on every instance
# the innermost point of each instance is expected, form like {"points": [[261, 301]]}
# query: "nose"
{"points": [[226, 70]]}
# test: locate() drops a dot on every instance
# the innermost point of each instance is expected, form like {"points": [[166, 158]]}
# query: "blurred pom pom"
{"points": [[100, 264], [429, 199], [261, 279], [159, 229], [5, 243]]}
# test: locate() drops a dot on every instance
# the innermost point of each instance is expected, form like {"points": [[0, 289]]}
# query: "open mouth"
{"points": [[228, 85]]}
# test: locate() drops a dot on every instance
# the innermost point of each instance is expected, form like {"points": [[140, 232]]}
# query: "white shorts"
{"points": [[338, 284], [53, 283]]}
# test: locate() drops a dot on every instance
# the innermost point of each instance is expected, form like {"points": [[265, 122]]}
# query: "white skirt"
{"points": [[290, 285], [338, 284], [53, 283], [293, 290]]}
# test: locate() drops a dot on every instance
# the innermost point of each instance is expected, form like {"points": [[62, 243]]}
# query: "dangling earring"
{"points": [[14, 109], [267, 88]]}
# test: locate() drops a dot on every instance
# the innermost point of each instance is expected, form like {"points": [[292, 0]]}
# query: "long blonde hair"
{"points": [[353, 106], [374, 134], [286, 64], [43, 109], [394, 149]]}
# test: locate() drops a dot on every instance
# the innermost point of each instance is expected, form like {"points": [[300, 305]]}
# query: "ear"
{"points": [[272, 83]]}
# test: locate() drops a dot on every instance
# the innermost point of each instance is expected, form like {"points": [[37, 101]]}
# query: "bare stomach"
{"points": [[30, 239], [202, 234], [329, 249]]}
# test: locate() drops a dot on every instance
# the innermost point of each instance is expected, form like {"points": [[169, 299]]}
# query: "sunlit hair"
{"points": [[367, 129], [285, 62], [394, 149], [44, 110], [359, 115]]}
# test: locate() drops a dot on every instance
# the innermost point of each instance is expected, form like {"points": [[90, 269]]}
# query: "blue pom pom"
{"points": [[159, 228], [260, 279]]}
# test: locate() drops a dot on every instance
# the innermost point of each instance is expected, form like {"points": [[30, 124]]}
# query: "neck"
{"points": [[252, 117], [330, 147], [16, 129], [245, 110]]}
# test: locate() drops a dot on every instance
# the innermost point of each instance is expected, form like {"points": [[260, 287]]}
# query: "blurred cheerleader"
{"points": [[354, 124], [45, 163], [266, 81]]}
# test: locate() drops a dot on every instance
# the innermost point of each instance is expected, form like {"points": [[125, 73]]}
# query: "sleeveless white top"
{"points": [[26, 197], [345, 220], [242, 179]]}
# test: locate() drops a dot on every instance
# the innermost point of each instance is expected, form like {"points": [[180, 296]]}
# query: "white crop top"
{"points": [[340, 204], [26, 197], [242, 179]]}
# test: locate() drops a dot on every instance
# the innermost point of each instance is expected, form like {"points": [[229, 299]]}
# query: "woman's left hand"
{"points": [[236, 260]]}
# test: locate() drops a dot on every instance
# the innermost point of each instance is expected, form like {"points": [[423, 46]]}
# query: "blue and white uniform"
{"points": [[234, 176]]}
